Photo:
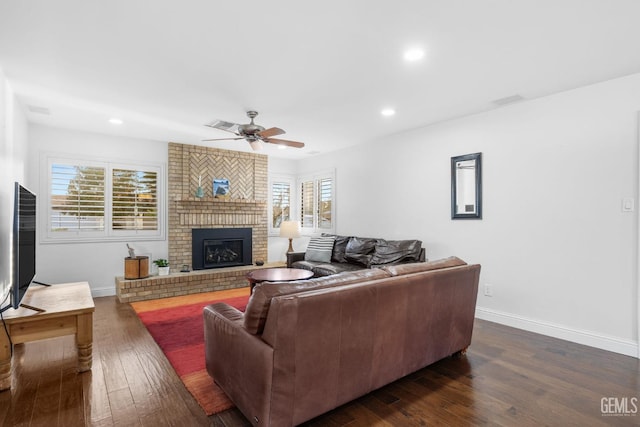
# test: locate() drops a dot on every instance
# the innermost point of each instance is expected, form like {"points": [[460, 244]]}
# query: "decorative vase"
{"points": [[163, 271], [199, 193]]}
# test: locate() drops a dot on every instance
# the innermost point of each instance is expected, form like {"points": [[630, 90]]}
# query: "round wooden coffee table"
{"points": [[277, 275]]}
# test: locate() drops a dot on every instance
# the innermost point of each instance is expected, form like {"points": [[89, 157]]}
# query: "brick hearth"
{"points": [[177, 284]]}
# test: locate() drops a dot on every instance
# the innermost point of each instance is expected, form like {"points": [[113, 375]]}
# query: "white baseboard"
{"points": [[617, 345], [103, 292]]}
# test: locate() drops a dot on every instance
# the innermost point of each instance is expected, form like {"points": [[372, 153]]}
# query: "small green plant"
{"points": [[161, 262]]}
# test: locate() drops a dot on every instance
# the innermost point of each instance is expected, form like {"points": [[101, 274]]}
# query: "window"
{"points": [[280, 202], [135, 200], [90, 200], [317, 207], [313, 203]]}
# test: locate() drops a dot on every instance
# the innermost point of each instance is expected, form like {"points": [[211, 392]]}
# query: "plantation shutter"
{"points": [[77, 201], [325, 198], [280, 202], [134, 200], [307, 198]]}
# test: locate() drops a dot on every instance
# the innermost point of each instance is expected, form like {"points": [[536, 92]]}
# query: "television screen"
{"points": [[24, 243]]}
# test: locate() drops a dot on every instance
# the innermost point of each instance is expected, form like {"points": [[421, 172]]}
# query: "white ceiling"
{"points": [[320, 70]]}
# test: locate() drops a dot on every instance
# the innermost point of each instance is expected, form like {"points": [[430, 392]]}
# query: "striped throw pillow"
{"points": [[319, 249]]}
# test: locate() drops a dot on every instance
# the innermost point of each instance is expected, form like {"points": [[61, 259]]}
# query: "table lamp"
{"points": [[290, 229]]}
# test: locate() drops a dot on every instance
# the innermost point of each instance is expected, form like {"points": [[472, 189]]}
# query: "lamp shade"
{"points": [[290, 229]]}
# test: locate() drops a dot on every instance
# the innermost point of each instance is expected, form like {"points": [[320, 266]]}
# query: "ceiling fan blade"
{"points": [[284, 142], [222, 139], [271, 132], [222, 125]]}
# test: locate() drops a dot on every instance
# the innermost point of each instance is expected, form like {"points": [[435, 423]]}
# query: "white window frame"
{"points": [[108, 234], [291, 181], [316, 177]]}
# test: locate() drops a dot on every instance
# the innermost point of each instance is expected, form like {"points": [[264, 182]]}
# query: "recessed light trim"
{"points": [[414, 54], [388, 112], [115, 121]]}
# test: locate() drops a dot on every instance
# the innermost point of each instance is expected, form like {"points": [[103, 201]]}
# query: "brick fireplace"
{"points": [[245, 208]]}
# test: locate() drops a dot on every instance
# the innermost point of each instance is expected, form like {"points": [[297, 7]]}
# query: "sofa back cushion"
{"points": [[395, 251], [339, 249], [417, 267], [360, 250], [257, 309]]}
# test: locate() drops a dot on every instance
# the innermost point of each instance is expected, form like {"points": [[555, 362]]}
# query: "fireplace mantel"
{"points": [[223, 201]]}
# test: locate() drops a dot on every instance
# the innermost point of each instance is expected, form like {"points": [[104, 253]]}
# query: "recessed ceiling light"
{"points": [[413, 54], [115, 121], [388, 112], [282, 147]]}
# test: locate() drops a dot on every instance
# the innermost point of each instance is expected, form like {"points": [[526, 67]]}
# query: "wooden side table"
{"points": [[277, 275], [68, 310]]}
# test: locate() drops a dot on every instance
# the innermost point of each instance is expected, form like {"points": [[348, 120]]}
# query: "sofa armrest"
{"points": [[240, 363], [293, 257]]}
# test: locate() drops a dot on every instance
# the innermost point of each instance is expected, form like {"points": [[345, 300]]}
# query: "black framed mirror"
{"points": [[466, 186]]}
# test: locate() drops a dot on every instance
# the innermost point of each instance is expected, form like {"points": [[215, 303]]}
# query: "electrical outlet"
{"points": [[488, 290]]}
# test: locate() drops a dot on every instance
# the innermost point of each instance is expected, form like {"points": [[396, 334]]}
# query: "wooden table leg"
{"points": [[84, 341], [5, 361]]}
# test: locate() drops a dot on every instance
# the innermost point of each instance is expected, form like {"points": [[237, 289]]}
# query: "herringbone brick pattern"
{"points": [[204, 168]]}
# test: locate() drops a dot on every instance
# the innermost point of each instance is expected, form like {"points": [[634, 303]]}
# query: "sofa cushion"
{"points": [[339, 247], [359, 250], [319, 249], [325, 269], [395, 251], [305, 265], [334, 268], [416, 267], [257, 309]]}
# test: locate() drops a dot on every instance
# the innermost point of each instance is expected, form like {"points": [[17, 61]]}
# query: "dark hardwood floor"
{"points": [[508, 377]]}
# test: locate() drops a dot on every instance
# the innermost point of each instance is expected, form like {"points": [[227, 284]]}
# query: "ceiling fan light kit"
{"points": [[254, 134]]}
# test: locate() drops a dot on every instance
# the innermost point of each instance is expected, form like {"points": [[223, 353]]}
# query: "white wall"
{"points": [[554, 243], [13, 152], [98, 263]]}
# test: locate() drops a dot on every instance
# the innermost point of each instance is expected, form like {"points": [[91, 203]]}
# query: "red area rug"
{"points": [[176, 325]]}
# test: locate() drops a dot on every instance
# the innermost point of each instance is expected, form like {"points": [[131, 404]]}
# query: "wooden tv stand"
{"points": [[68, 310]]}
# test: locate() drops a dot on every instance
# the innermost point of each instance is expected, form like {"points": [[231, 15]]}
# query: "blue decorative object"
{"points": [[200, 191]]}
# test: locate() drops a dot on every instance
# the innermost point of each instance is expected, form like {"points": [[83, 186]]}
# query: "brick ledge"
{"points": [[176, 284]]}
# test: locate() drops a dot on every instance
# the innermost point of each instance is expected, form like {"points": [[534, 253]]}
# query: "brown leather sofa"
{"points": [[303, 348]]}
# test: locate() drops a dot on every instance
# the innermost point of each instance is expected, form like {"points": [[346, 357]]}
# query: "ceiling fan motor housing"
{"points": [[250, 129]]}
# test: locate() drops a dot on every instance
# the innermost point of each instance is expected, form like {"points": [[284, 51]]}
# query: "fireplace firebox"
{"points": [[220, 247]]}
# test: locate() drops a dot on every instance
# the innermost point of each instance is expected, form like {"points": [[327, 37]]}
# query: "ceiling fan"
{"points": [[254, 134]]}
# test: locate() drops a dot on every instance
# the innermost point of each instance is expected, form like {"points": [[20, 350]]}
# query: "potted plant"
{"points": [[163, 266]]}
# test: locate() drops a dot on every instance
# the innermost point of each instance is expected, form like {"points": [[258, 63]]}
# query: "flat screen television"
{"points": [[24, 243]]}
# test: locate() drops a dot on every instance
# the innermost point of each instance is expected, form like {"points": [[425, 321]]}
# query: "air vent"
{"points": [[508, 100], [38, 110]]}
